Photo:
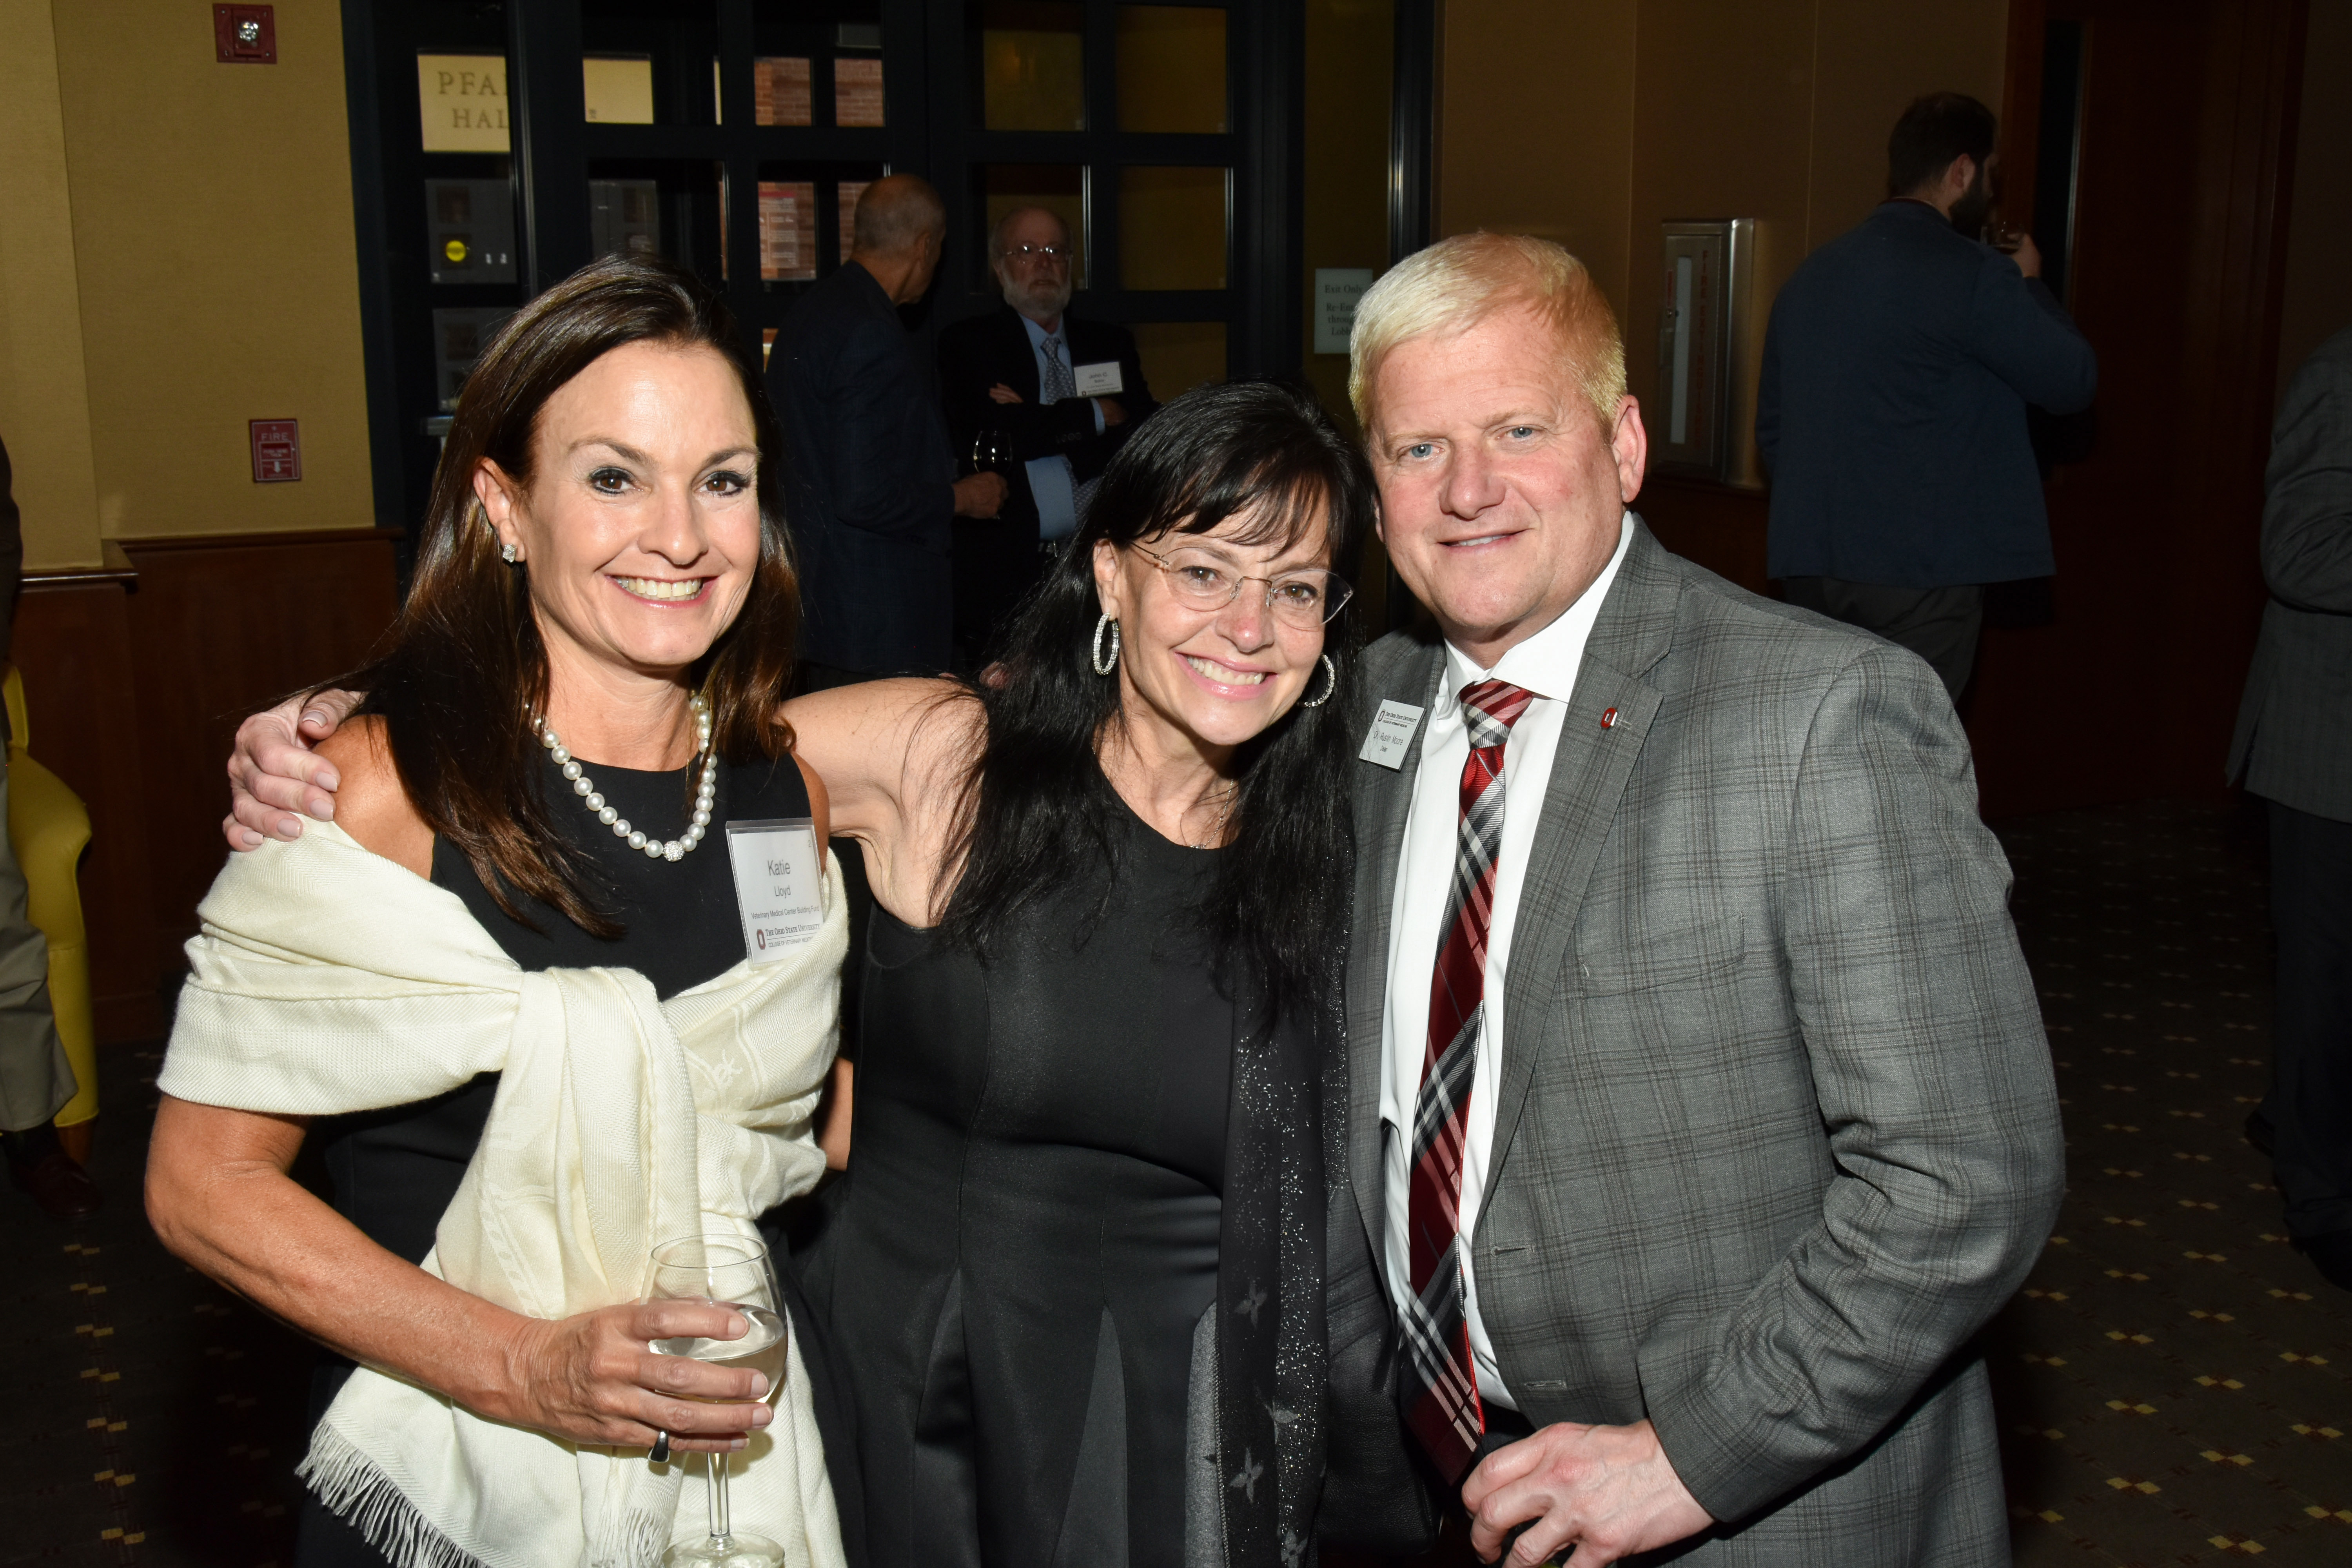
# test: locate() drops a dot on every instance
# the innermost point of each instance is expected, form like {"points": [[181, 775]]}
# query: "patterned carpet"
{"points": [[146, 1415], [2173, 1381]]}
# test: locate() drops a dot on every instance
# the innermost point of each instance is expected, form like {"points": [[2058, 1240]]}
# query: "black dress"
{"points": [[395, 1171], [1049, 1155]]}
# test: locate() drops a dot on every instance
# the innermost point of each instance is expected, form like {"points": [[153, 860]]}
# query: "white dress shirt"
{"points": [[1545, 665], [1051, 483]]}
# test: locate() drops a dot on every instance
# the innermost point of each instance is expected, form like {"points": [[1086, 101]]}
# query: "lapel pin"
{"points": [[1609, 719]]}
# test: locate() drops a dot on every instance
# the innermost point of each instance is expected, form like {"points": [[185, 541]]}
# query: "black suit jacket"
{"points": [[2294, 742], [868, 481], [996, 559], [1898, 366]]}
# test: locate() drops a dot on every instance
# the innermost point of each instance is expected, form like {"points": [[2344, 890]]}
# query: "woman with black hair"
{"points": [[1072, 1281], [1068, 1302]]}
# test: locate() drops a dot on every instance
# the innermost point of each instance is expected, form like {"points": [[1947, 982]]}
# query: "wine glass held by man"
{"points": [[506, 987], [1101, 992]]}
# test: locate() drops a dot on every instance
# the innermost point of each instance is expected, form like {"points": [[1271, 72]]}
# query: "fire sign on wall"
{"points": [[276, 450]]}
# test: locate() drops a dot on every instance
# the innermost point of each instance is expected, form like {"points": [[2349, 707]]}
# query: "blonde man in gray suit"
{"points": [[1700, 1111]]}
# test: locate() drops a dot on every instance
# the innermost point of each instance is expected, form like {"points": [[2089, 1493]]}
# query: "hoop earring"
{"points": [[1105, 666], [1329, 686]]}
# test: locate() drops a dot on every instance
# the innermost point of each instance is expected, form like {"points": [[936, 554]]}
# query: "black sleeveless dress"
{"points": [[1037, 1215], [395, 1171]]}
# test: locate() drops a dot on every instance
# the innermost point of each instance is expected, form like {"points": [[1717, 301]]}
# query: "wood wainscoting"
{"points": [[1719, 526], [136, 678]]}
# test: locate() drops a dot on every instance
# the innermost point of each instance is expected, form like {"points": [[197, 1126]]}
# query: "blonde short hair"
{"points": [[1457, 283]]}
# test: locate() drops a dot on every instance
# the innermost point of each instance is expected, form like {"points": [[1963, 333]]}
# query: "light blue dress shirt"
{"points": [[1051, 481]]}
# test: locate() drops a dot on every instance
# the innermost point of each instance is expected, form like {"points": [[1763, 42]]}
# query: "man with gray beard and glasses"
{"points": [[1056, 394]]}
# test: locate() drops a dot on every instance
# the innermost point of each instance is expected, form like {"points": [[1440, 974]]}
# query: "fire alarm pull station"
{"points": [[276, 450]]}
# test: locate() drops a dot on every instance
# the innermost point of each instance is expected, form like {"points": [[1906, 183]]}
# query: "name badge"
{"points": [[778, 885], [1100, 380], [1390, 735]]}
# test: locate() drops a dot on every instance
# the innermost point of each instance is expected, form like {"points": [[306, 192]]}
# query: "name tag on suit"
{"points": [[779, 884], [1390, 738], [1098, 380]]}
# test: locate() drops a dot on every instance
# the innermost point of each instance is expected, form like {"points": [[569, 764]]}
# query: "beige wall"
{"points": [[44, 398], [2318, 300], [1536, 125], [203, 212], [1594, 122]]}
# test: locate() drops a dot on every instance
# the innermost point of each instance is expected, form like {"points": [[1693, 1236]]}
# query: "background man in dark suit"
{"points": [[1897, 370], [2294, 746], [1025, 372], [1698, 1109], [870, 484]]}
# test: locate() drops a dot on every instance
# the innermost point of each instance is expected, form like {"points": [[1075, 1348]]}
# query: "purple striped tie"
{"points": [[1443, 1410]]}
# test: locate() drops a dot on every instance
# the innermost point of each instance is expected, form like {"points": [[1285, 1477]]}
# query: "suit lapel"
{"points": [[1020, 358], [1383, 802], [1589, 774]]}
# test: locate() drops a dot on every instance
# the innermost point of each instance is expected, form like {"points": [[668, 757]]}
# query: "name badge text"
{"points": [[1391, 736], [778, 885]]}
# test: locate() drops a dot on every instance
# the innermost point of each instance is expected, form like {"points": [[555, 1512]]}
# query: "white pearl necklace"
{"points": [[585, 788]]}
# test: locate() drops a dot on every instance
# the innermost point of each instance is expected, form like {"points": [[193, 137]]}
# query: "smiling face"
{"points": [[1213, 678], [640, 528], [1501, 494]]}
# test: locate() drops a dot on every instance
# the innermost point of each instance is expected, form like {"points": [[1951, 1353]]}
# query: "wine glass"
{"points": [[992, 452], [725, 1271]]}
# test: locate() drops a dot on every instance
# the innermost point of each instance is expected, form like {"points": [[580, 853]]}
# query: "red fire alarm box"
{"points": [[245, 35], [276, 450]]}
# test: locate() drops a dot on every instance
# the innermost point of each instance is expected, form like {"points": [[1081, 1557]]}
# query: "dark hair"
{"points": [[1933, 132], [464, 660], [1036, 804]]}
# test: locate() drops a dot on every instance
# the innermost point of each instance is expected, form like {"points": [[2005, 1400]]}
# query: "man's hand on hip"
{"points": [[1609, 1491]]}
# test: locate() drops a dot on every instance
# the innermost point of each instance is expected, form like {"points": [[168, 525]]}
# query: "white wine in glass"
{"points": [[725, 1271]]}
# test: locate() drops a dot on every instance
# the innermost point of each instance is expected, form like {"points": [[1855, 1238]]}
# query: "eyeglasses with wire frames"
{"points": [[1305, 598], [1035, 253]]}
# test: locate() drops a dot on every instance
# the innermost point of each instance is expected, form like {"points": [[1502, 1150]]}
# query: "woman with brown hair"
{"points": [[505, 989]]}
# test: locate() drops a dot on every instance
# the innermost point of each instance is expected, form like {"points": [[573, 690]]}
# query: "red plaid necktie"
{"points": [[1444, 1411]]}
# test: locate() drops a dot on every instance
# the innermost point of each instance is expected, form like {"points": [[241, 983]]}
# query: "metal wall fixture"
{"points": [[1702, 325]]}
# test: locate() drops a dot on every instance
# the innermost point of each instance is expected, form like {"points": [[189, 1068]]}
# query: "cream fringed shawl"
{"points": [[328, 980]]}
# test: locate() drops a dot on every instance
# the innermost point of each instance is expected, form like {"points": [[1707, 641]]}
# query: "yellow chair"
{"points": [[48, 826]]}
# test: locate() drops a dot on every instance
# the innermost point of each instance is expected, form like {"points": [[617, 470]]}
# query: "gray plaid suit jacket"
{"points": [[1777, 1132]]}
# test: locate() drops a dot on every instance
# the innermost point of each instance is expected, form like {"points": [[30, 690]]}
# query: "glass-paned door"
{"points": [[498, 145], [1149, 130]]}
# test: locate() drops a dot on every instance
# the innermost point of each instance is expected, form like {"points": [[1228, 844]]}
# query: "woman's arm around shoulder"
{"points": [[892, 757], [820, 803], [371, 804]]}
